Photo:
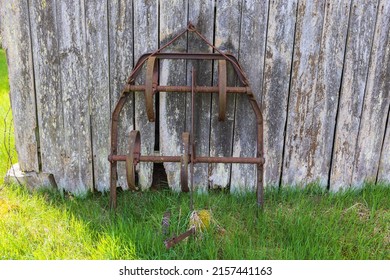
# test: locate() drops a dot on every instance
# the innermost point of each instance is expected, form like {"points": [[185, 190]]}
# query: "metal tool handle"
{"points": [[174, 240]]}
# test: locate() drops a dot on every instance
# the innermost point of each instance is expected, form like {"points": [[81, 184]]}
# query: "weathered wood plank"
{"points": [[77, 157], [17, 42], [384, 164], [48, 86], [359, 42], [280, 41], [201, 14], [145, 40], [173, 18], [121, 63], [326, 94], [376, 102], [254, 18], [227, 38], [98, 89], [300, 134]]}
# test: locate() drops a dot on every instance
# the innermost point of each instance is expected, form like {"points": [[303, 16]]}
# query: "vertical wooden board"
{"points": [[121, 63], [227, 38], [173, 19], [300, 133], [384, 164], [326, 94], [357, 57], [280, 42], [48, 86], [254, 18], [17, 41], [376, 102], [98, 89], [201, 14], [145, 40], [77, 158]]}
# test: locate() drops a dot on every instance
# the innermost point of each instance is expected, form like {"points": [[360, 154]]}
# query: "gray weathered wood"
{"points": [[301, 138], [17, 42], [376, 102], [280, 41], [201, 14], [145, 40], [326, 94], [98, 89], [359, 42], [227, 38], [384, 163], [173, 19], [69, 60], [120, 31], [48, 86], [254, 16], [77, 157]]}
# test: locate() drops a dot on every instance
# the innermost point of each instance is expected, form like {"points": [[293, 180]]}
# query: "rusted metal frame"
{"points": [[130, 87], [191, 28], [259, 160], [189, 56]]}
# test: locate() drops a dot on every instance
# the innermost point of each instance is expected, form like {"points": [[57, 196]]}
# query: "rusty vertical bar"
{"points": [[260, 148], [114, 145], [192, 137]]}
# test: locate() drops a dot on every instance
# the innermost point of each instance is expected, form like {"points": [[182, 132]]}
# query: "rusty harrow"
{"points": [[151, 87]]}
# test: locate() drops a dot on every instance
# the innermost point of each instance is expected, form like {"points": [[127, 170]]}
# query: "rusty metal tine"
{"points": [[192, 136], [175, 240], [184, 159], [222, 81]]}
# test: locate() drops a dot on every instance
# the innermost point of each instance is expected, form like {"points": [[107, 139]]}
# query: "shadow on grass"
{"points": [[294, 224]]}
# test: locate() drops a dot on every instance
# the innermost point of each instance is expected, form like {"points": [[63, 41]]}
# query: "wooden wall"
{"points": [[320, 70]]}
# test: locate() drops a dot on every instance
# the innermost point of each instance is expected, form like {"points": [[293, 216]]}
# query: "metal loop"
{"points": [[150, 86]]}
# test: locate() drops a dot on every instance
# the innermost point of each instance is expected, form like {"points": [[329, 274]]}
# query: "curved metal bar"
{"points": [[192, 56], [150, 86], [114, 150]]}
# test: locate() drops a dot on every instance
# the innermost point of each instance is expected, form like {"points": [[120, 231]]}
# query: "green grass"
{"points": [[295, 224], [7, 149]]}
